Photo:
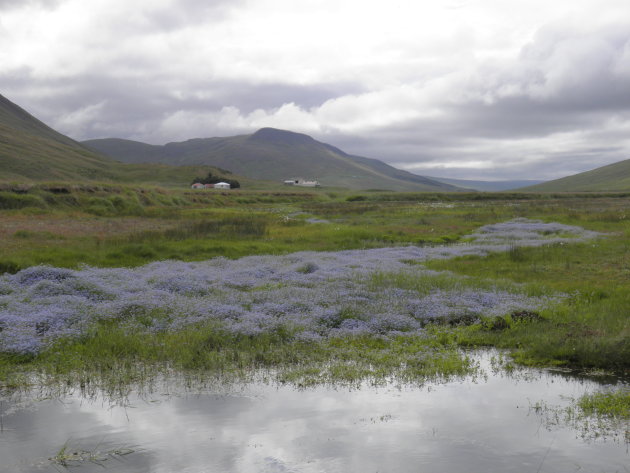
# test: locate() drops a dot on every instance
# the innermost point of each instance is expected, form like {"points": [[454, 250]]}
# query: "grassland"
{"points": [[128, 226], [614, 176]]}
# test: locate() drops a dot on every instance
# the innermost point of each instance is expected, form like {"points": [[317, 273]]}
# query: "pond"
{"points": [[495, 421]]}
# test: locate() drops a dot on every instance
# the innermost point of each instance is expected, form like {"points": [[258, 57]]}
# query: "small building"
{"points": [[197, 185], [298, 181], [208, 186], [222, 185]]}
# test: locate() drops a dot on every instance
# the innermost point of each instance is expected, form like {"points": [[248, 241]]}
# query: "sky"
{"points": [[472, 89]]}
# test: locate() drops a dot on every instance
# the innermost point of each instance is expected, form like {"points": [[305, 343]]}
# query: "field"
{"points": [[310, 317]]}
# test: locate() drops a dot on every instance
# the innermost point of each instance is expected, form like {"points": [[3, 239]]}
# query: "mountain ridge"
{"points": [[613, 177], [30, 150], [274, 154]]}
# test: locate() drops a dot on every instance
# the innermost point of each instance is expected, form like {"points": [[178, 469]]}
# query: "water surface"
{"points": [[486, 424]]}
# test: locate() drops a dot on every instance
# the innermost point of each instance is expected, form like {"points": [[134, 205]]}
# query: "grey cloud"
{"points": [[249, 97], [183, 13], [132, 106], [15, 4], [559, 79], [567, 80], [556, 165], [422, 145], [525, 99]]}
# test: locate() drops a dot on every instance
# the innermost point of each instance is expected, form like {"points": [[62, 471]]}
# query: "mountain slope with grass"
{"points": [[611, 178], [32, 151], [274, 154]]}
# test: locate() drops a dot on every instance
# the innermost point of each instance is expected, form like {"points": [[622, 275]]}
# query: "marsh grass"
{"points": [[74, 456], [615, 404], [189, 226], [112, 358], [226, 227], [590, 329], [424, 283], [132, 226], [593, 415]]}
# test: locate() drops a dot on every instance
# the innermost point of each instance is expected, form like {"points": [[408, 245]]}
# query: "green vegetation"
{"points": [[112, 358], [608, 404], [212, 179], [589, 330], [600, 414], [614, 177], [127, 226]]}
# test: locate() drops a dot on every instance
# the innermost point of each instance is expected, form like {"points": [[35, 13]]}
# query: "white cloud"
{"points": [[490, 81]]}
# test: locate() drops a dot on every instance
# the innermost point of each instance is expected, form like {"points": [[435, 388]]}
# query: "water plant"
{"points": [[68, 456], [604, 414]]}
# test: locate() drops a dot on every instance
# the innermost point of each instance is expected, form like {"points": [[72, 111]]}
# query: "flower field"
{"points": [[309, 295]]}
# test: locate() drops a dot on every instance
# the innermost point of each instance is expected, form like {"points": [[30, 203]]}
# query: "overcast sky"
{"points": [[479, 89]]}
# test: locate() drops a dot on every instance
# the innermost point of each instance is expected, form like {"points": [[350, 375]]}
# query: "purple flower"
{"points": [[312, 294]]}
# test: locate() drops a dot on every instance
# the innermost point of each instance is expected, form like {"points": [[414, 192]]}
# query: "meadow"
{"points": [[113, 286]]}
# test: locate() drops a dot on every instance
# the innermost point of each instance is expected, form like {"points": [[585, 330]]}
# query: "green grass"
{"points": [[112, 358], [591, 329], [614, 176], [130, 226], [608, 404]]}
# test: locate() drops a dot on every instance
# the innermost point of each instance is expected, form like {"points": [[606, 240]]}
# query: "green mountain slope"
{"points": [[611, 178], [277, 155], [32, 151]]}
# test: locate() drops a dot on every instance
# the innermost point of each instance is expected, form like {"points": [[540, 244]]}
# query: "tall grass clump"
{"points": [[11, 200]]}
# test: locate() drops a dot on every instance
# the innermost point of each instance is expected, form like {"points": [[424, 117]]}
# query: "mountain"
{"points": [[611, 178], [32, 151], [274, 154], [486, 186]]}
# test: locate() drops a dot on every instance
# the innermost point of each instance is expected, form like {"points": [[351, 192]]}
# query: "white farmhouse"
{"points": [[221, 185], [298, 181]]}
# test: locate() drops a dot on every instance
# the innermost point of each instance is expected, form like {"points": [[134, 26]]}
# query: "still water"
{"points": [[489, 423]]}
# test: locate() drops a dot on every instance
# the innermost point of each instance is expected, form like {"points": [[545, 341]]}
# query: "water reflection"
{"points": [[468, 425]]}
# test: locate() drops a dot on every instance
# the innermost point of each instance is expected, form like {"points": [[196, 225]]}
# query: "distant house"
{"points": [[197, 185], [298, 181], [208, 186], [222, 185]]}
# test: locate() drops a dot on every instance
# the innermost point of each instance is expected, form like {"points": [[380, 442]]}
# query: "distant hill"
{"points": [[273, 154], [486, 186], [32, 151], [611, 178]]}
